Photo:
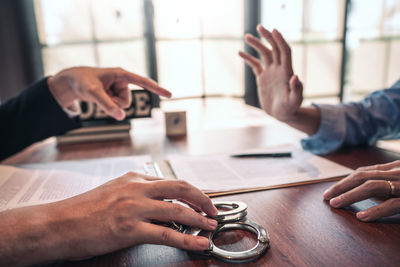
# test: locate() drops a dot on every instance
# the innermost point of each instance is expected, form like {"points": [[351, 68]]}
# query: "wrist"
{"points": [[305, 119], [60, 91], [288, 119], [30, 236]]}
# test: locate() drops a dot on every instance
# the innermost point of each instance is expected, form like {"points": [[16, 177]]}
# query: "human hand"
{"points": [[280, 92], [367, 182], [107, 87], [113, 216], [118, 214]]}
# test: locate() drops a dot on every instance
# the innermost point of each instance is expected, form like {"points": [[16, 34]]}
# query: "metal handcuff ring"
{"points": [[234, 219]]}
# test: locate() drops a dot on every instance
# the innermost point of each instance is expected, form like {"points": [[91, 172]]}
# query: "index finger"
{"points": [[356, 179], [371, 188], [146, 83], [181, 189]]}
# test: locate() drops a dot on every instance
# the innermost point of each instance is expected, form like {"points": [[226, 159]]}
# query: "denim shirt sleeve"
{"points": [[376, 117]]}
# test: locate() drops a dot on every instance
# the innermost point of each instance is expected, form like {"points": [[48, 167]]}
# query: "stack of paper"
{"points": [[48, 182], [222, 174]]}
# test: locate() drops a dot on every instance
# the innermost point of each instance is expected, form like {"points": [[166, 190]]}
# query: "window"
{"points": [[91, 32], [373, 45], [196, 42], [196, 47], [314, 30]]}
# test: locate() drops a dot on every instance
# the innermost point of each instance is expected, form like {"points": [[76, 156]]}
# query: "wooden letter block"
{"points": [[175, 123]]}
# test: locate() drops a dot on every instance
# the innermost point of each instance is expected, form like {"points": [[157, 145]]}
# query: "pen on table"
{"points": [[263, 155]]}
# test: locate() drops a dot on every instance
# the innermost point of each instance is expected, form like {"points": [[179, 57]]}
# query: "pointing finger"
{"points": [[146, 83]]}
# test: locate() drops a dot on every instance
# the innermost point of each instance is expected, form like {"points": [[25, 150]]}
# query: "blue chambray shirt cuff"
{"points": [[331, 133]]}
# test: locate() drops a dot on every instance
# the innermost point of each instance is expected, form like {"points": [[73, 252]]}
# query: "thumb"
{"points": [[296, 87], [104, 101]]}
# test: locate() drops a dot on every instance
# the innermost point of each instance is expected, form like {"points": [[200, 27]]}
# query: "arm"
{"points": [[279, 90], [376, 117], [30, 117], [329, 126], [38, 112], [113, 216]]}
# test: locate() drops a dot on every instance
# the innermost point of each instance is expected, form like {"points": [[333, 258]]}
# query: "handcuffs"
{"points": [[234, 218]]}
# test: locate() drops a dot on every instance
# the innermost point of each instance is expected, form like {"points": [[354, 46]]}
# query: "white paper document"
{"points": [[32, 184], [221, 173]]}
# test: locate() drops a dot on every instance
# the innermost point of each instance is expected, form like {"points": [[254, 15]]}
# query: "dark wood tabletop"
{"points": [[304, 229]]}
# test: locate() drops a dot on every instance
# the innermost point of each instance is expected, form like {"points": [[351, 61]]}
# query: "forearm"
{"points": [[31, 235], [306, 119], [30, 117]]}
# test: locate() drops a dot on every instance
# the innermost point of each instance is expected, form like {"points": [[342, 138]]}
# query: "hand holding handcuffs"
{"points": [[232, 219]]}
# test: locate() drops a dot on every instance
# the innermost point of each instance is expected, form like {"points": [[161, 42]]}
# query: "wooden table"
{"points": [[304, 229]]}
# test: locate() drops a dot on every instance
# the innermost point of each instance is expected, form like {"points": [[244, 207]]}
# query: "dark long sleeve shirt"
{"points": [[31, 117]]}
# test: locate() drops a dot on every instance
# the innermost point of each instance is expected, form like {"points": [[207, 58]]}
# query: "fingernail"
{"points": [[118, 113], [212, 223], [362, 215], [203, 242], [335, 202]]}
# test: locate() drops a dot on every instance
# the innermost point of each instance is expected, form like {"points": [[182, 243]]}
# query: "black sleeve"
{"points": [[30, 117]]}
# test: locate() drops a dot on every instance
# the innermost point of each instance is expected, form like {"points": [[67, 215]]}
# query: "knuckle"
{"points": [[166, 235], [360, 176], [177, 209], [394, 203], [370, 186], [92, 88], [183, 186], [360, 169], [118, 69], [375, 172], [131, 174], [378, 209], [145, 82], [187, 241], [123, 222], [204, 220]]}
